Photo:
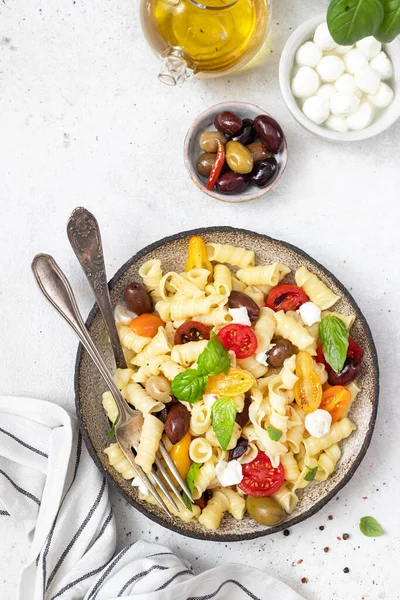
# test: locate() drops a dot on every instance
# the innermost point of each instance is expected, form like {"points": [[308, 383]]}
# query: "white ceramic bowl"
{"points": [[192, 150], [382, 122]]}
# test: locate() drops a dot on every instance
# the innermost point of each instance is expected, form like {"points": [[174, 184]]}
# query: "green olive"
{"points": [[264, 510], [205, 163], [208, 140], [239, 159]]}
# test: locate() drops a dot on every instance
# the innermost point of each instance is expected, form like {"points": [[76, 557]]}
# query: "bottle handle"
{"points": [[174, 69]]}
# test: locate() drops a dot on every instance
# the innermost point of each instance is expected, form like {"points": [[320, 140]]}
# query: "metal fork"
{"points": [[56, 288]]}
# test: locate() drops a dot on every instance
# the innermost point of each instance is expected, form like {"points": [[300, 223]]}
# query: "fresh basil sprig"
{"points": [[352, 20], [274, 434], [223, 415], [214, 359], [189, 386], [311, 473], [111, 433], [335, 341], [370, 527], [190, 479]]}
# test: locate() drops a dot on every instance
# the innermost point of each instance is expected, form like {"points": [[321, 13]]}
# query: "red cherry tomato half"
{"points": [[354, 351], [239, 338], [191, 331], [260, 479], [286, 297]]}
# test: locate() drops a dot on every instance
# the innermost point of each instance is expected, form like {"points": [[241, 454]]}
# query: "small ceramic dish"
{"points": [[192, 150], [381, 122], [89, 385]]}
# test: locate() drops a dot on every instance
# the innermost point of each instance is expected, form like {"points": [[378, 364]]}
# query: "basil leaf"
{"points": [[311, 473], [190, 479], [390, 26], [111, 433], [274, 434], [189, 386], [223, 415], [335, 341], [214, 359], [370, 527], [351, 20]]}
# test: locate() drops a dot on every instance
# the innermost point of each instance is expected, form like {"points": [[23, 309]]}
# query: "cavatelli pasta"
{"points": [[289, 463], [237, 504], [286, 499], [150, 437], [215, 318], [200, 450], [222, 280], [237, 286], [316, 290], [291, 330], [110, 406], [173, 284], [187, 354], [140, 399], [118, 460], [265, 328], [199, 277], [151, 367], [151, 274], [132, 340], [348, 320], [339, 430], [204, 477], [233, 255], [214, 511], [171, 369], [158, 346], [327, 462], [255, 294], [252, 366], [185, 308], [200, 418], [122, 377], [263, 275]]}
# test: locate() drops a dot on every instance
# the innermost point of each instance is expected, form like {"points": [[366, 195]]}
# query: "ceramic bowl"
{"points": [[383, 121], [192, 150], [89, 385]]}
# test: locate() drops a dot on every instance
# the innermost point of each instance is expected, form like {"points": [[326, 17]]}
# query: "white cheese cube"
{"points": [[229, 473], [383, 96], [330, 68], [369, 46], [323, 38], [318, 423], [337, 124], [382, 63], [310, 313], [326, 91], [344, 104], [361, 118], [368, 80], [355, 60], [316, 109], [240, 315], [305, 83]]}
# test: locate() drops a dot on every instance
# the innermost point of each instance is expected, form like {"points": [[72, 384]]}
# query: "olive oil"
{"points": [[215, 35]]}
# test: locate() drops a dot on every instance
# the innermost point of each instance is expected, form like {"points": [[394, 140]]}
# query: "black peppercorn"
{"points": [[326, 549], [286, 532], [321, 527], [346, 570], [345, 536]]}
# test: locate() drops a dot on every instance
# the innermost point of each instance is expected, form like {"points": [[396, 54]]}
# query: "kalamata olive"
{"points": [[239, 159], [232, 183], [228, 123], [264, 172], [238, 299], [347, 374], [138, 299], [177, 423], [159, 388], [205, 163], [204, 499], [208, 140], [258, 151], [247, 133], [162, 414], [265, 511], [269, 132], [242, 418], [279, 353], [240, 448]]}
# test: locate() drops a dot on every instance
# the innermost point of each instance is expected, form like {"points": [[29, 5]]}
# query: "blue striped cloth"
{"points": [[49, 483]]}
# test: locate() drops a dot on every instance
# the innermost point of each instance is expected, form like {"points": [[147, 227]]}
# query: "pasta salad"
{"points": [[247, 378]]}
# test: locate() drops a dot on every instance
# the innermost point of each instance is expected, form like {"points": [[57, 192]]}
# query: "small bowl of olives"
{"points": [[235, 152]]}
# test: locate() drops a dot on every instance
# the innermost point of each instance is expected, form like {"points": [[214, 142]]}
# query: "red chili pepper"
{"points": [[217, 166]]}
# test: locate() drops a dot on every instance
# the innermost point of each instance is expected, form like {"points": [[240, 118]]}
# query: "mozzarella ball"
{"points": [[361, 118], [330, 68], [323, 38], [342, 49], [305, 83], [383, 97], [308, 55], [369, 46], [346, 83], [368, 80], [344, 104], [337, 124], [326, 91], [355, 60], [383, 65], [316, 109]]}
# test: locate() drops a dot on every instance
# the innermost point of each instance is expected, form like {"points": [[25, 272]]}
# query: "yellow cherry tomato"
{"points": [[146, 324], [336, 400], [197, 255], [180, 455], [235, 382], [308, 388]]}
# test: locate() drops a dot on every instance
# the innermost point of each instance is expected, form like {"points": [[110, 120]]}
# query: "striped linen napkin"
{"points": [[49, 483]]}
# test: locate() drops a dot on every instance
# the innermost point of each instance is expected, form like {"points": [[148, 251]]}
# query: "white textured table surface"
{"points": [[84, 121]]}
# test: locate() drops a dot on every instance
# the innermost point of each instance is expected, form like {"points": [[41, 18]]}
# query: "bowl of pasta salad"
{"points": [[254, 366]]}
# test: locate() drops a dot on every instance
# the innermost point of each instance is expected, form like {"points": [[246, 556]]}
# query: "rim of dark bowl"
{"points": [[208, 536]]}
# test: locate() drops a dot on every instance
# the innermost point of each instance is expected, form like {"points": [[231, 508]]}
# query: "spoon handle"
{"points": [[84, 236]]}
